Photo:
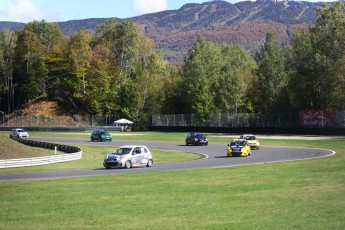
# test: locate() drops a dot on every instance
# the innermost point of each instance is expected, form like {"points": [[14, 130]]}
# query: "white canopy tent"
{"points": [[123, 121]]}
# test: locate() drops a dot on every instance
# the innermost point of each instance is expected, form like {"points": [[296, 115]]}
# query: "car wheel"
{"points": [[10, 136], [149, 163], [128, 165]]}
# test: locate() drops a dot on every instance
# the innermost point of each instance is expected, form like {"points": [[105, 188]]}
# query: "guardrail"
{"points": [[70, 153]]}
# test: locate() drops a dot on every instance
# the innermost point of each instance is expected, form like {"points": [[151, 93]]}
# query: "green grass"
{"points": [[144, 136], [305, 194]]}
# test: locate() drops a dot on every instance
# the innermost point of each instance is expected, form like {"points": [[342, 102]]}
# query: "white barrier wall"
{"points": [[13, 163]]}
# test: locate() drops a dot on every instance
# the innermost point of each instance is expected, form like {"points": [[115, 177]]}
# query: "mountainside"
{"points": [[243, 23]]}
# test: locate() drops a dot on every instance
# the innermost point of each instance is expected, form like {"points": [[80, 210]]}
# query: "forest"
{"points": [[116, 70]]}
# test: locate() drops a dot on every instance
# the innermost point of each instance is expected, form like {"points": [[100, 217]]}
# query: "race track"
{"points": [[214, 157]]}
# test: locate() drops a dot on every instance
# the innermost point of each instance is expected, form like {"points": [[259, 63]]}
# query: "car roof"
{"points": [[195, 133], [132, 146]]}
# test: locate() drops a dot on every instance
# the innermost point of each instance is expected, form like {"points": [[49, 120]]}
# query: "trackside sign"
{"points": [[317, 118]]}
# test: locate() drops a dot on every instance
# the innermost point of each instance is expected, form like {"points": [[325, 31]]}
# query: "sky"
{"points": [[64, 10]]}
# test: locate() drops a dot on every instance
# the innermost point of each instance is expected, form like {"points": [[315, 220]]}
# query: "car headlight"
{"points": [[243, 149]]}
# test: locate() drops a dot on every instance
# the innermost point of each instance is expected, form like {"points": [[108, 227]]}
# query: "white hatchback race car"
{"points": [[129, 156], [18, 133]]}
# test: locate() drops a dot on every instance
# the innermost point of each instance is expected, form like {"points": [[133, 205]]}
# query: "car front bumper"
{"points": [[106, 139], [113, 164], [197, 142], [231, 153]]}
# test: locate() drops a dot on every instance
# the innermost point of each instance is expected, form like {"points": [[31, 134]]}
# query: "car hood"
{"points": [[252, 141], [112, 156]]}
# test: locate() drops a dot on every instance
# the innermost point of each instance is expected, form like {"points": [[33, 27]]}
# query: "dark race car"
{"points": [[196, 139], [101, 135]]}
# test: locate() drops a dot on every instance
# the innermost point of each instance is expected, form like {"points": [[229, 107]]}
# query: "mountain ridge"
{"points": [[243, 23]]}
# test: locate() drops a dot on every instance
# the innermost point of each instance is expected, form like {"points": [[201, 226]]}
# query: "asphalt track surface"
{"points": [[214, 156]]}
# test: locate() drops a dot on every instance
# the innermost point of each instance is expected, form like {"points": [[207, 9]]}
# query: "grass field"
{"points": [[293, 195]]}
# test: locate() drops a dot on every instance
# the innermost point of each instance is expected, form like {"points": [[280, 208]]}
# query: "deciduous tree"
{"points": [[272, 78], [7, 46]]}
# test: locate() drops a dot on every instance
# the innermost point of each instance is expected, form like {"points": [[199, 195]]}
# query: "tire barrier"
{"points": [[71, 153]]}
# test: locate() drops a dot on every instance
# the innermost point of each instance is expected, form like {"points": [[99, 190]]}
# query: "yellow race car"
{"points": [[238, 147], [253, 142]]}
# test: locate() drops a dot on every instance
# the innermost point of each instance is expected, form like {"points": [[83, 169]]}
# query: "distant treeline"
{"points": [[117, 71]]}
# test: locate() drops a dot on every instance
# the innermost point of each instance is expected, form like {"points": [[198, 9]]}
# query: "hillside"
{"points": [[45, 112], [243, 23]]}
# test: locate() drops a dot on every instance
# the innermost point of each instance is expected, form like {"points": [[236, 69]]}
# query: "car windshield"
{"points": [[122, 151], [242, 143], [20, 130], [104, 133], [196, 135], [200, 136], [250, 137]]}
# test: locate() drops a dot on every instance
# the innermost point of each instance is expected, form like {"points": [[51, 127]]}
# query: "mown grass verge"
{"points": [[305, 194]]}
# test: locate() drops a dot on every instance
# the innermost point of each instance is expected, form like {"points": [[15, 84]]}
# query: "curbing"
{"points": [[71, 153]]}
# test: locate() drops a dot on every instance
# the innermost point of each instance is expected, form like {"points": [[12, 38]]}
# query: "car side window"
{"points": [[136, 151]]}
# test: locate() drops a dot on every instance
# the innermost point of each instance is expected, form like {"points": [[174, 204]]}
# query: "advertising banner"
{"points": [[317, 118]]}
